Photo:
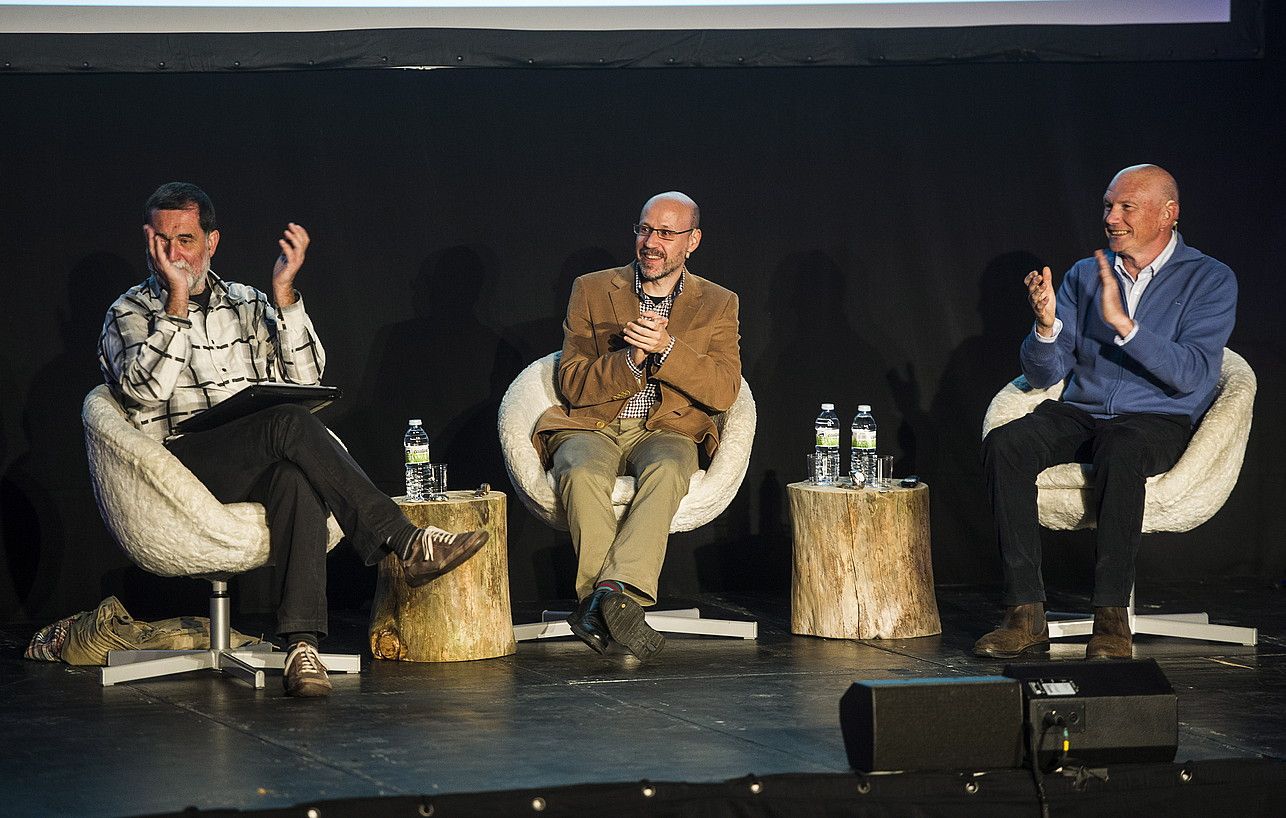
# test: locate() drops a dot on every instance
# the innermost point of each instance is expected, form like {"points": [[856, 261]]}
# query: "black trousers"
{"points": [[1124, 450], [286, 459]]}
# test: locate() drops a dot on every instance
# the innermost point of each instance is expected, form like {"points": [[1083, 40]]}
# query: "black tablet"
{"points": [[256, 397]]}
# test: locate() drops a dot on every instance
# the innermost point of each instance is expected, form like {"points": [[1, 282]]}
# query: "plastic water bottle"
{"points": [[861, 461], [826, 454], [416, 444]]}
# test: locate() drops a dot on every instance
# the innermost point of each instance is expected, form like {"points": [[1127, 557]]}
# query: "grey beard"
{"points": [[194, 279], [659, 276]]}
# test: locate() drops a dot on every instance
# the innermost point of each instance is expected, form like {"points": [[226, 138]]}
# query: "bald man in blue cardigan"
{"points": [[1138, 333]]}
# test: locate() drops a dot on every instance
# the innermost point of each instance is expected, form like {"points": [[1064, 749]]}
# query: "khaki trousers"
{"points": [[586, 465]]}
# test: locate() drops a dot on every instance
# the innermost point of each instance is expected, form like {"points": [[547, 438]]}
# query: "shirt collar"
{"points": [[1157, 263]]}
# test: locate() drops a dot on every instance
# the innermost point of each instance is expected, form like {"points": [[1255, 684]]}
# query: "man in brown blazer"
{"points": [[650, 353]]}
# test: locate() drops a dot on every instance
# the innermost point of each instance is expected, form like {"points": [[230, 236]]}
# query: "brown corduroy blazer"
{"points": [[700, 377]]}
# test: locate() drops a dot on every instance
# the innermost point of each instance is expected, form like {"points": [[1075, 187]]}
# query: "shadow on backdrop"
{"points": [[445, 366], [50, 522], [976, 371], [541, 560], [815, 351]]}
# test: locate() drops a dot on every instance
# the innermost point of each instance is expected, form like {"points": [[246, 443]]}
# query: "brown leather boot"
{"points": [[1111, 637], [1022, 630]]}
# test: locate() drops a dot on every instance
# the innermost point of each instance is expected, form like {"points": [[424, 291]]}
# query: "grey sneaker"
{"points": [[304, 674], [434, 552]]}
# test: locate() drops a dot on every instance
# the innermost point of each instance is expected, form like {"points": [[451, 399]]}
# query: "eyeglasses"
{"points": [[645, 230]]}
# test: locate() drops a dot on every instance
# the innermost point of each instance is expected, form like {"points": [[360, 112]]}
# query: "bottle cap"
{"points": [[416, 422], [864, 407], [826, 406]]}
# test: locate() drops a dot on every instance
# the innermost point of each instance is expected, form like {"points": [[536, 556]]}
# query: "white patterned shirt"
{"points": [[165, 369], [640, 403]]}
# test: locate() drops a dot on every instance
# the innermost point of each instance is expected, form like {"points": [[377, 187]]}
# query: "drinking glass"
{"points": [[884, 470]]}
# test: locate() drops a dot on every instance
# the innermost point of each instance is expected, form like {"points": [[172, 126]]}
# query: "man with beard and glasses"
{"points": [[650, 353], [184, 340], [1138, 333]]}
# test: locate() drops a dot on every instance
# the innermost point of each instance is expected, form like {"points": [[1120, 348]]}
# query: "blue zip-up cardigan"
{"points": [[1170, 366]]}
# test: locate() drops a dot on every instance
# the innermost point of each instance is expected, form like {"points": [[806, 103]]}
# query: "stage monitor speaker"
{"points": [[1114, 710], [972, 722]]}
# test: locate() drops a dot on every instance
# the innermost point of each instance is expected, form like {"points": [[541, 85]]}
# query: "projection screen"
{"points": [[201, 35]]}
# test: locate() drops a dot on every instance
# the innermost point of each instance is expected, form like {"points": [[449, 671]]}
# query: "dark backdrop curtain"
{"points": [[876, 222]]}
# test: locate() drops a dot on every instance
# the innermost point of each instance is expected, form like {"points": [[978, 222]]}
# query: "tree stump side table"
{"points": [[862, 566], [461, 615]]}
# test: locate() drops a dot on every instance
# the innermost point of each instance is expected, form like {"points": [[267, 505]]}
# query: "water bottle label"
{"points": [[828, 438], [863, 438], [416, 455]]}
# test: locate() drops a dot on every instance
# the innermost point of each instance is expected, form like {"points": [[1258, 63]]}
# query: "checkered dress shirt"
{"points": [[641, 403], [164, 368]]}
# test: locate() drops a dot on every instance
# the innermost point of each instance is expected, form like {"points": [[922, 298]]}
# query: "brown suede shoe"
{"points": [[1111, 637], [434, 552], [1023, 630]]}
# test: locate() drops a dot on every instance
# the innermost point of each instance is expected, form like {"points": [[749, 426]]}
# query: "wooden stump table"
{"points": [[461, 615], [862, 567]]}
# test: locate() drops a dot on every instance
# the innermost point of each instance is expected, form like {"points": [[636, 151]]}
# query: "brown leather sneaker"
{"points": [[1023, 630], [1111, 637], [435, 552], [304, 675]]}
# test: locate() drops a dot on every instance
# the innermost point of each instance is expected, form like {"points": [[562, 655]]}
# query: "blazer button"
{"points": [[600, 424]]}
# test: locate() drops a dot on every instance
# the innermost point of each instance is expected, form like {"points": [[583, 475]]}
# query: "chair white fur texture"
{"points": [[169, 524], [710, 491]]}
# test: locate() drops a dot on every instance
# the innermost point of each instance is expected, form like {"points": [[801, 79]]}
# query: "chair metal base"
{"points": [[1179, 626], [688, 620], [244, 664]]}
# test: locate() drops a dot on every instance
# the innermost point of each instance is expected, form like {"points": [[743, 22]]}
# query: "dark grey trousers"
{"points": [[286, 459]]}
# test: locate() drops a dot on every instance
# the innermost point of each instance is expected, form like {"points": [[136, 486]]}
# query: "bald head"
{"points": [[1140, 211], [1153, 178], [676, 198], [671, 236]]}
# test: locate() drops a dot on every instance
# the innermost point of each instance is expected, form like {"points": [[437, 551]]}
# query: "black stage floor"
{"points": [[554, 713]]}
